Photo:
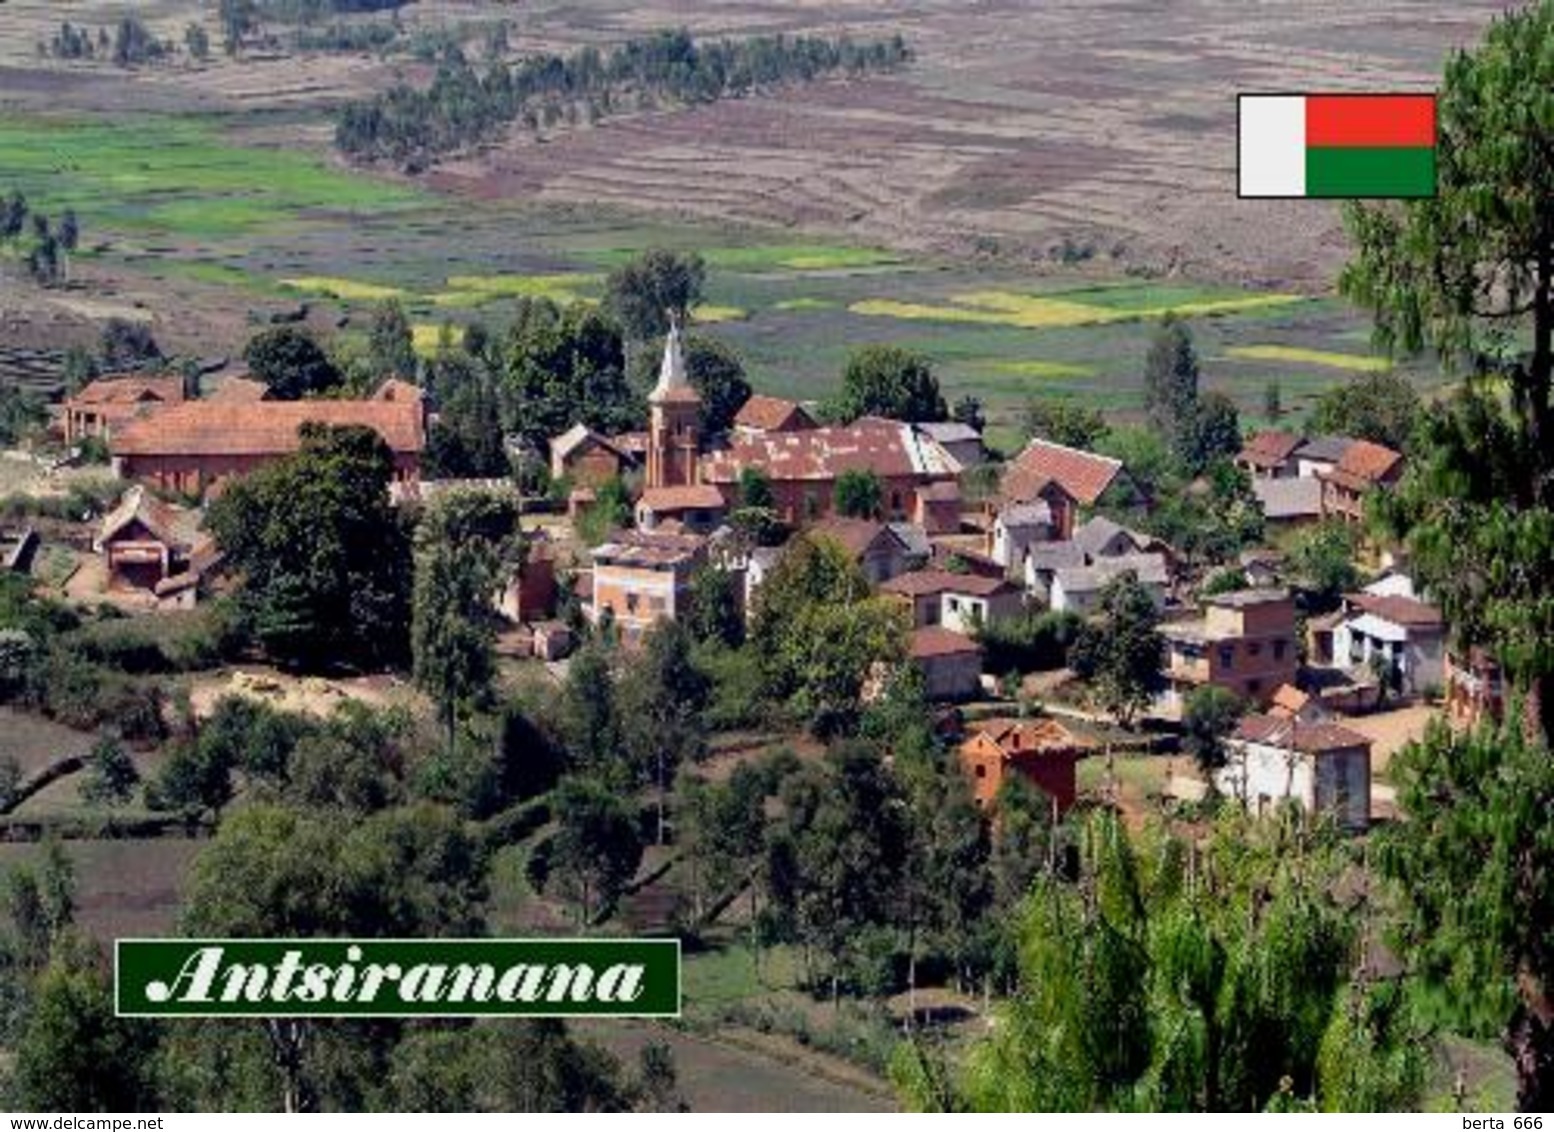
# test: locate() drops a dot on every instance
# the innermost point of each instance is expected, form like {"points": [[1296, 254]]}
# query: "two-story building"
{"points": [[1042, 751], [1392, 631], [1324, 766], [642, 577], [1363, 467], [960, 602], [878, 550], [1244, 643]]}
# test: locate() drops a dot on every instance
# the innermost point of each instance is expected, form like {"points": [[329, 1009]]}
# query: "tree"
{"points": [[459, 547], [560, 367], [645, 293], [74, 1054], [1322, 560], [290, 363], [597, 847], [968, 411], [13, 216], [1469, 273], [127, 345], [197, 40], [716, 610], [324, 558], [587, 716], [390, 342], [111, 776], [1380, 407], [1119, 651], [1171, 384], [887, 381], [1215, 433], [1064, 423], [69, 239], [1211, 714], [819, 633], [662, 697], [1273, 402], [1473, 868], [1158, 983], [716, 372], [858, 494]]}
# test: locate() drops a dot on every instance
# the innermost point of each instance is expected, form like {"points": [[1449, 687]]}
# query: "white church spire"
{"points": [[672, 382]]}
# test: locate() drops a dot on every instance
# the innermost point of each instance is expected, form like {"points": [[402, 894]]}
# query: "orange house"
{"points": [[104, 405], [1042, 751]]}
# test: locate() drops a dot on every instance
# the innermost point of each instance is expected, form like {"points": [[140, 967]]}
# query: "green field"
{"points": [[199, 202]]}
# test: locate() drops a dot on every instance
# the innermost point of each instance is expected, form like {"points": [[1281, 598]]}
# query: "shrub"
{"points": [[1033, 642]]}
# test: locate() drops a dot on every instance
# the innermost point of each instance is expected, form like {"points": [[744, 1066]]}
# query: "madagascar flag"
{"points": [[1336, 145]]}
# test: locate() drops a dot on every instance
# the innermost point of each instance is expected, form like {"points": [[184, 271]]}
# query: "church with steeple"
{"points": [[674, 428]]}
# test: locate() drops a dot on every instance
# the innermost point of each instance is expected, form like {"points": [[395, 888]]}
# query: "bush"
{"points": [[1033, 642]]}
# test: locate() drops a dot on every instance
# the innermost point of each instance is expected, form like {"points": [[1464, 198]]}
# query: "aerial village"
{"points": [[962, 554]]}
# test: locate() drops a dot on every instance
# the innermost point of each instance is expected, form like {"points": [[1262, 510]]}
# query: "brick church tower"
{"points": [[674, 434]]}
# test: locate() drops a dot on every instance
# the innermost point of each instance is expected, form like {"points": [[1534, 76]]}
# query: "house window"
{"points": [[895, 502], [954, 603], [981, 771], [1278, 649], [1253, 687], [1253, 648], [1227, 656], [631, 603]]}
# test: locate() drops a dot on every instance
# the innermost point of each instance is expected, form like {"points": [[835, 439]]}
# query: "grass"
{"points": [[761, 258], [712, 312], [178, 176], [474, 290], [1357, 363], [803, 304], [1038, 369]]}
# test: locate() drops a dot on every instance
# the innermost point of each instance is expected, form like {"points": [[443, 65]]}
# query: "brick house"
{"points": [[108, 403], [951, 663], [696, 507], [803, 467], [1362, 468], [877, 549], [144, 541], [957, 601], [586, 458], [1043, 752], [761, 414], [1244, 642], [1474, 687], [188, 448], [1270, 454], [1324, 766], [642, 577]]}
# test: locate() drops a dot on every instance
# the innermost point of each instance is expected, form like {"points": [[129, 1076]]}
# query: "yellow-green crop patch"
{"points": [[803, 304], [1357, 363], [349, 290], [1037, 368], [427, 337], [476, 290], [711, 312], [1052, 312]]}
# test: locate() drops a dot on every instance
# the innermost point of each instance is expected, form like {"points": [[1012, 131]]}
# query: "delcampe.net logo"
{"points": [[334, 978]]}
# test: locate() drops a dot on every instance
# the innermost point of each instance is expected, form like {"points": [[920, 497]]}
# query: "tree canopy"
{"points": [[887, 381]]}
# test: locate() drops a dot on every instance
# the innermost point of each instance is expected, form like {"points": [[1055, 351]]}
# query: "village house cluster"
{"points": [[1036, 539]]}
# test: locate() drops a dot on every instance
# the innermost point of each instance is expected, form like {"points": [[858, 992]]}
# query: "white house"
{"points": [[1017, 528], [1077, 589], [958, 602], [1324, 766], [1402, 630]]}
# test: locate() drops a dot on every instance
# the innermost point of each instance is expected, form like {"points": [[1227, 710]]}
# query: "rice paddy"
{"points": [[1051, 312], [1357, 363]]}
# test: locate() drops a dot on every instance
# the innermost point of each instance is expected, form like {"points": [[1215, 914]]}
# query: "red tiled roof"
{"points": [[945, 491], [882, 447], [769, 414], [1366, 463], [919, 583], [1018, 738], [1270, 448], [173, 526], [1288, 701], [682, 498], [935, 640], [1309, 738], [648, 549], [854, 535], [264, 428], [1084, 475], [1398, 609], [128, 389]]}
